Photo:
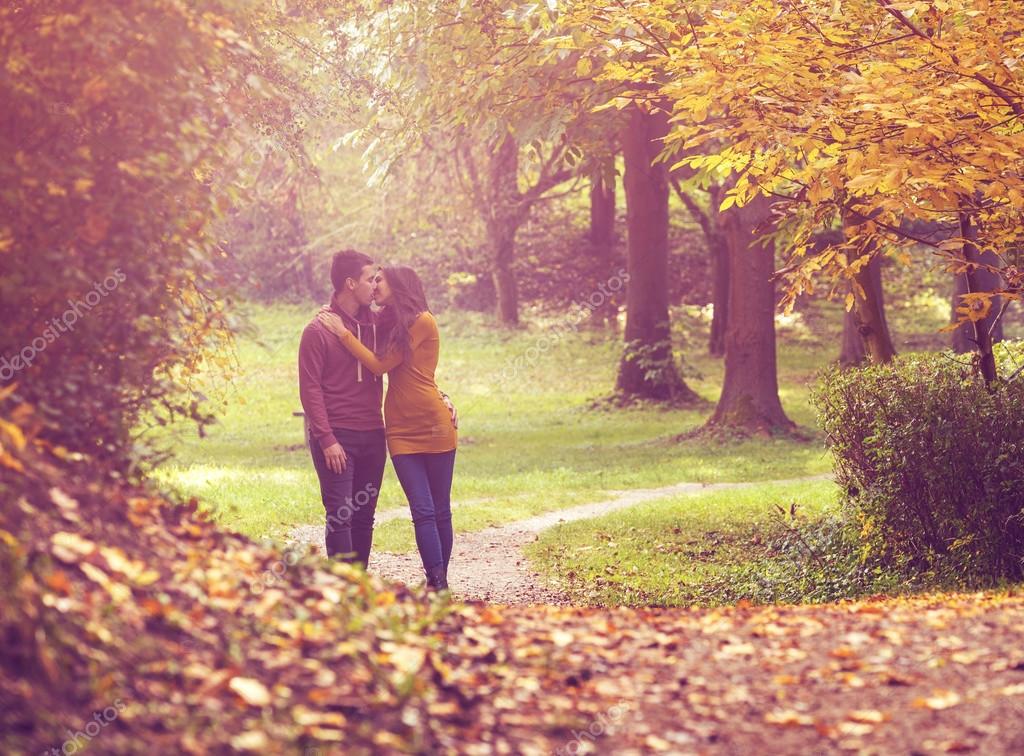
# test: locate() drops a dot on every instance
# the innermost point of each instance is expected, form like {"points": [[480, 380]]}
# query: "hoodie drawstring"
{"points": [[359, 365]]}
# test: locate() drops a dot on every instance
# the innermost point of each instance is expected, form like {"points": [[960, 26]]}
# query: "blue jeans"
{"points": [[350, 497], [427, 482]]}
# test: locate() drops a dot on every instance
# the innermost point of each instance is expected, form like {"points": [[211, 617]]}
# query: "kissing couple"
{"points": [[343, 354]]}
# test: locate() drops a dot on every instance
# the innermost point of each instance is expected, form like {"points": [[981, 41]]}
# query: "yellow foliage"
{"points": [[912, 110]]}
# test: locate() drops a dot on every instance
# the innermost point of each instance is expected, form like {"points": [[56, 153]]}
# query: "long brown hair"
{"points": [[408, 302]]}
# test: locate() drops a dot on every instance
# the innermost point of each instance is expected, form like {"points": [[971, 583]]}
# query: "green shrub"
{"points": [[932, 463]]}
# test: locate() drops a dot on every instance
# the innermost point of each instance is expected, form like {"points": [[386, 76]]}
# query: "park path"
{"points": [[490, 565]]}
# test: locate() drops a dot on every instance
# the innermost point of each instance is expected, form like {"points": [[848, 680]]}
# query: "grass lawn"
{"points": [[529, 440], [678, 551]]}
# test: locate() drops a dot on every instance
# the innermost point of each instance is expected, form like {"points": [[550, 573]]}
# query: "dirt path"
{"points": [[489, 565]]}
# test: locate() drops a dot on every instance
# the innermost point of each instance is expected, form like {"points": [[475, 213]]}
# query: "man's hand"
{"points": [[336, 459]]}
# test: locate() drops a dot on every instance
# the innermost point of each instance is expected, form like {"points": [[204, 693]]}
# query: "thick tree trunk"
{"points": [[750, 391], [869, 311], [867, 323], [987, 280], [647, 368], [982, 337], [602, 242], [502, 225], [851, 351]]}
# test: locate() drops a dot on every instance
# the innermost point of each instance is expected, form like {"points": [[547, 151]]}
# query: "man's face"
{"points": [[363, 291]]}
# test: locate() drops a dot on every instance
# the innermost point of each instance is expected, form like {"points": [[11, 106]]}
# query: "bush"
{"points": [[120, 122], [810, 561], [931, 463]]}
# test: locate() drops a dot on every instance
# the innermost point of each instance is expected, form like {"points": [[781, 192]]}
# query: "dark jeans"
{"points": [[350, 497], [427, 482]]}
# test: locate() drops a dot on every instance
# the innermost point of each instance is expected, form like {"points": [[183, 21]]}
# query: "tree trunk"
{"points": [[982, 338], [750, 391], [851, 351], [963, 336], [869, 311], [602, 242], [718, 251], [502, 224], [648, 367], [866, 335]]}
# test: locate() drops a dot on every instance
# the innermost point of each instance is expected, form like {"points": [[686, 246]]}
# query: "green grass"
{"points": [[529, 441], [691, 549]]}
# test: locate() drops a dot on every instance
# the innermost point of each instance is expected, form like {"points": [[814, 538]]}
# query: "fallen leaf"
{"points": [[250, 690], [940, 699], [250, 741], [789, 718], [870, 716]]}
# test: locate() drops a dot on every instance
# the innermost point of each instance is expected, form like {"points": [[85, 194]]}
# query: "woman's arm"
{"points": [[376, 365]]}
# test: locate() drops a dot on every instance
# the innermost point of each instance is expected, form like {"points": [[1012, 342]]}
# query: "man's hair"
{"points": [[347, 264]]}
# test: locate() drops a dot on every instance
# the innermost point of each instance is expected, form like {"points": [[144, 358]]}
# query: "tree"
{"points": [[718, 250], [851, 345], [482, 81], [750, 391], [963, 337], [647, 368], [864, 321], [111, 298], [866, 300], [602, 240], [891, 113], [504, 207]]}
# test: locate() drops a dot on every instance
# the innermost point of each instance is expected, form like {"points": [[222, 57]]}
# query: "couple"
{"points": [[342, 355]]}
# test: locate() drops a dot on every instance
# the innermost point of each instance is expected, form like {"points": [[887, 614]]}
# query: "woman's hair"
{"points": [[408, 302]]}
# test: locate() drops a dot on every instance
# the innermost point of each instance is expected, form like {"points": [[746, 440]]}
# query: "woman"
{"points": [[420, 425]]}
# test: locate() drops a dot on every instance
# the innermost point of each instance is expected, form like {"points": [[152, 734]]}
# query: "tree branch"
{"points": [[698, 215]]}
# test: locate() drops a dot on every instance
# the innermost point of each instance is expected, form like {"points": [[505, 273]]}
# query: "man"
{"points": [[342, 402]]}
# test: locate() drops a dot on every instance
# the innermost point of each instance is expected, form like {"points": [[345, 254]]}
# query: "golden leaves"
{"points": [[561, 639], [406, 659], [70, 547], [10, 436], [250, 690], [975, 307], [868, 716], [254, 740], [939, 700], [887, 120], [789, 718]]}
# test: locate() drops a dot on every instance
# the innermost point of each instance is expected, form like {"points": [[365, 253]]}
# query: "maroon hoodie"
{"points": [[336, 391]]}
